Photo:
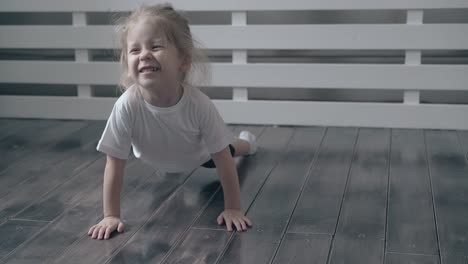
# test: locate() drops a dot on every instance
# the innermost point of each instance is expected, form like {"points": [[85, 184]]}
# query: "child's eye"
{"points": [[157, 46], [134, 50]]}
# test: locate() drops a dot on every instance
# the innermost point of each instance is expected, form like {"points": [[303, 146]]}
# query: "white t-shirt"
{"points": [[172, 139]]}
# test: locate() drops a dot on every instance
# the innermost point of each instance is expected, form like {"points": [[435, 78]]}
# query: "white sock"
{"points": [[249, 137]]}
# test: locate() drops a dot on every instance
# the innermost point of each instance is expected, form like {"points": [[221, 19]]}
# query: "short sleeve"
{"points": [[214, 131], [116, 138]]}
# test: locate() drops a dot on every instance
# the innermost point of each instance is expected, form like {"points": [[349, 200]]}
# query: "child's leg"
{"points": [[242, 147], [245, 144]]}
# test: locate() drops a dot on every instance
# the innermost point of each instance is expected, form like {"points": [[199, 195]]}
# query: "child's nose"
{"points": [[145, 54]]}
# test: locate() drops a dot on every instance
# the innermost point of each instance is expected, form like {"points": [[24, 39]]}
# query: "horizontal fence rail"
{"points": [[268, 75], [370, 37], [250, 112], [240, 73], [224, 5]]}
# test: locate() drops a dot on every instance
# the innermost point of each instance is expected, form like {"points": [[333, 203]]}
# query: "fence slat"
{"points": [[261, 112], [226, 5], [413, 57], [349, 37], [239, 19], [82, 55], [270, 75]]}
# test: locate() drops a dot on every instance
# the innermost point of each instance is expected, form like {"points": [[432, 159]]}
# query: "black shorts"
{"points": [[211, 164]]}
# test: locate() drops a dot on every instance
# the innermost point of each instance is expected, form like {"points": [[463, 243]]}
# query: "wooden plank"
{"points": [[70, 107], [152, 241], [331, 37], [360, 231], [85, 248], [364, 207], [449, 170], [46, 209], [135, 217], [303, 248], [81, 188], [319, 205], [25, 198], [189, 252], [15, 232], [24, 184], [410, 221], [357, 251], [20, 145], [252, 246], [463, 136], [274, 112], [71, 192], [39, 163], [216, 5], [107, 70], [252, 173], [167, 224], [270, 75], [87, 37], [269, 222], [10, 127], [7, 126], [97, 252], [42, 247], [51, 241], [263, 37], [396, 258]]}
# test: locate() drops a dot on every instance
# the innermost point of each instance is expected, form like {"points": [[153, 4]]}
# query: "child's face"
{"points": [[153, 61]]}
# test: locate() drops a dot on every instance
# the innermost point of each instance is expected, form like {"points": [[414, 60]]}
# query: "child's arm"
{"points": [[113, 177], [227, 172]]}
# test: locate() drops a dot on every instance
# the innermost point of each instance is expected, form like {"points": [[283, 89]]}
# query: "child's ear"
{"points": [[186, 64]]}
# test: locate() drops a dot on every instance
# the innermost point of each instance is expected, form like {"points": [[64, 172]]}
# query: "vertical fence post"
{"points": [[82, 55], [239, 56], [413, 57]]}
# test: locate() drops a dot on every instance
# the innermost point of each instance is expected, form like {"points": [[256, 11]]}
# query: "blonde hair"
{"points": [[176, 28]]}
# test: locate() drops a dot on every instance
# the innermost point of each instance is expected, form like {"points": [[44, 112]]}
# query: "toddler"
{"points": [[167, 121]]}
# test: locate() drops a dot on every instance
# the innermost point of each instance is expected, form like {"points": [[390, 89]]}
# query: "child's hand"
{"points": [[236, 217], [104, 228]]}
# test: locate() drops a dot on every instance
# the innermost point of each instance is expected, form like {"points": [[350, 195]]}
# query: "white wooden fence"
{"points": [[239, 37]]}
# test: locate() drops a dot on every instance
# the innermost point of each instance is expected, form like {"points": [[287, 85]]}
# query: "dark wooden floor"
{"points": [[315, 195]]}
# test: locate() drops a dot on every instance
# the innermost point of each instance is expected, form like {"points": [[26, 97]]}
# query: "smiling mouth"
{"points": [[149, 69]]}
